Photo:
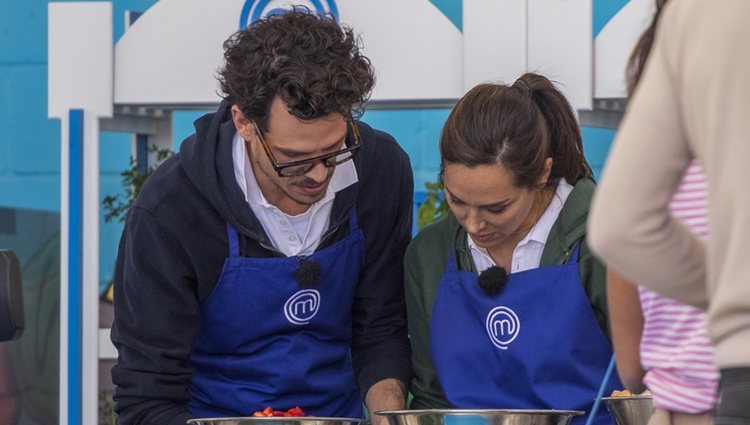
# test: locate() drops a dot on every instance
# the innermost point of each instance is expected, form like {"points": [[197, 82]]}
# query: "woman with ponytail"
{"points": [[506, 304]]}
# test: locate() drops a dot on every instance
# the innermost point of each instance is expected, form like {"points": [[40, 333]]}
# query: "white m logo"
{"points": [[502, 326], [302, 306]]}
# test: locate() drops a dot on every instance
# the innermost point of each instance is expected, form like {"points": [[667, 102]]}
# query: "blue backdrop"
{"points": [[30, 143]]}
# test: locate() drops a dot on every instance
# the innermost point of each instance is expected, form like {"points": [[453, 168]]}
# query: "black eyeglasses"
{"points": [[298, 168]]}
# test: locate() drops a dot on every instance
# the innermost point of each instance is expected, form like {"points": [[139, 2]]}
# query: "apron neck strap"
{"points": [[234, 241], [573, 259]]}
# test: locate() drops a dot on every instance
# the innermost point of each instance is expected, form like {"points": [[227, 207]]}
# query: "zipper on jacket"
{"points": [[565, 256], [271, 248], [327, 236], [281, 254], [321, 244]]}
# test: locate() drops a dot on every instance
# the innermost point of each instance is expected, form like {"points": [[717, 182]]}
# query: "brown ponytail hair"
{"points": [[642, 48], [518, 126]]}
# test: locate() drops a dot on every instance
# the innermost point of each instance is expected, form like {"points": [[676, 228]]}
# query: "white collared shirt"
{"points": [[528, 252], [291, 235]]}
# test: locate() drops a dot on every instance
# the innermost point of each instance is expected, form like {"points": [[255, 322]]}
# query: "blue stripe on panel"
{"points": [[75, 263], [453, 10], [603, 11]]}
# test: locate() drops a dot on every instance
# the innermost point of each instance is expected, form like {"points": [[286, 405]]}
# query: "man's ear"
{"points": [[244, 126]]}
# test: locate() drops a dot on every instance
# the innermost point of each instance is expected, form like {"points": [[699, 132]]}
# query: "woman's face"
{"points": [[486, 202]]}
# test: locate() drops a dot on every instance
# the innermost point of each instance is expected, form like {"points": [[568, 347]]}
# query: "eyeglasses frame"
{"points": [[279, 167]]}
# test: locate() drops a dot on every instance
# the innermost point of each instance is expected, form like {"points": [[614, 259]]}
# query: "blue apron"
{"points": [[266, 341], [536, 345]]}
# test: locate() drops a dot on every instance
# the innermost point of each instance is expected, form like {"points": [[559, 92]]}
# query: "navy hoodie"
{"points": [[174, 245]]}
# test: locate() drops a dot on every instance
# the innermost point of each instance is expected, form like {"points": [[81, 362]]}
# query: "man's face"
{"points": [[289, 139]]}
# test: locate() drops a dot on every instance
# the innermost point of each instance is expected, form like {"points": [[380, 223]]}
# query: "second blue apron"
{"points": [[536, 345]]}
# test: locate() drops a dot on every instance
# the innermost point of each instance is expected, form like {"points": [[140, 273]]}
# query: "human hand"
{"points": [[388, 394]]}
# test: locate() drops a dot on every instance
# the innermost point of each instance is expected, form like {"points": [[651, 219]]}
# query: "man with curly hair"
{"points": [[262, 265]]}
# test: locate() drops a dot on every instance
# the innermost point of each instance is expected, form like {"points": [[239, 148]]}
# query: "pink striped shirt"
{"points": [[675, 350]]}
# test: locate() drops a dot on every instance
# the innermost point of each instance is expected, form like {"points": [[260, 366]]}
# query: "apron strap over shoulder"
{"points": [[234, 241]]}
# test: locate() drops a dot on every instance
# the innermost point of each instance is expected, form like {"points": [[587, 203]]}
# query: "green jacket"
{"points": [[426, 259]]}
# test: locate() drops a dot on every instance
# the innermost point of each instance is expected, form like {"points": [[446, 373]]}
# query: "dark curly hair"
{"points": [[311, 62]]}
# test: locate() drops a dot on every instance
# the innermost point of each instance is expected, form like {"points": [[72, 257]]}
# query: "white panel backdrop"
{"points": [[171, 54]]}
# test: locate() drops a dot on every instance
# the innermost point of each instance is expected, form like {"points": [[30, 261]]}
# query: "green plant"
{"points": [[107, 414], [117, 206], [434, 205]]}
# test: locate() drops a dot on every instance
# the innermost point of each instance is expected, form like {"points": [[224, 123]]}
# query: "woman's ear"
{"points": [[544, 178]]}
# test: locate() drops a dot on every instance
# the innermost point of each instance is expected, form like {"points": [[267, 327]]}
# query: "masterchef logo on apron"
{"points": [[502, 326], [301, 307]]}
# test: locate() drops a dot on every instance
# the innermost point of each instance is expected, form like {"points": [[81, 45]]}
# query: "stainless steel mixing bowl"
{"points": [[633, 410], [479, 417], [278, 420]]}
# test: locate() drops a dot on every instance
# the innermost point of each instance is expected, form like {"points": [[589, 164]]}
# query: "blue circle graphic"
{"points": [[253, 10]]}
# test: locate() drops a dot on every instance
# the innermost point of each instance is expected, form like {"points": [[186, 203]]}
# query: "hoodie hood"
{"points": [[206, 158]]}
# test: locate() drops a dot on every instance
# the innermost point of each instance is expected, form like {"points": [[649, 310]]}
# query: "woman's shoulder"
{"points": [[572, 218], [581, 194], [569, 228], [435, 238]]}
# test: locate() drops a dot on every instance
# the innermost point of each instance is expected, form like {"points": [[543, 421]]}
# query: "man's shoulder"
{"points": [[383, 169], [380, 145], [167, 181]]}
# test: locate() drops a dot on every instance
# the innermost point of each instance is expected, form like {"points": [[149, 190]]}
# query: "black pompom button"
{"points": [[308, 272], [493, 280]]}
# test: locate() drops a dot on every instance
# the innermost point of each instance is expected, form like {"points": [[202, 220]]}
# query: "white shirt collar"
{"points": [[540, 231]]}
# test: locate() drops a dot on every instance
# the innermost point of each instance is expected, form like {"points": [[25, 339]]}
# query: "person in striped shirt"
{"points": [[661, 344]]}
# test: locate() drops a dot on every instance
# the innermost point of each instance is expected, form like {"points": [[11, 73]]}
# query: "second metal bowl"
{"points": [[633, 410], [479, 417]]}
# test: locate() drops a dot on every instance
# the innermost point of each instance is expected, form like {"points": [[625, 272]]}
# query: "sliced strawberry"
{"points": [[295, 411]]}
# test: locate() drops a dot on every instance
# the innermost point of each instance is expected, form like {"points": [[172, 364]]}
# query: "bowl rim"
{"points": [[278, 419], [462, 412], [629, 397]]}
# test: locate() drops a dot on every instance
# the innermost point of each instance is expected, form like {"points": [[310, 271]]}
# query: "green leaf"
{"points": [[117, 206], [434, 206]]}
